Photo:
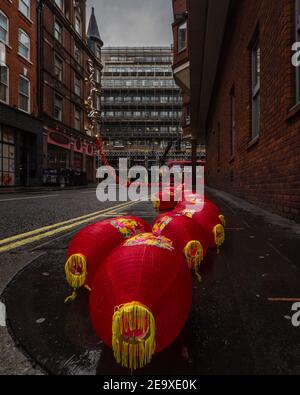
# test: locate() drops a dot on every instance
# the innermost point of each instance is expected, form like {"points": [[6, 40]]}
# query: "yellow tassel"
{"points": [[219, 235], [133, 351], [72, 297], [222, 219], [193, 252], [197, 267], [75, 278]]}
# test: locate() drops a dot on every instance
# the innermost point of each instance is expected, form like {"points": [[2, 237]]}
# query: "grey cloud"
{"points": [[133, 22]]}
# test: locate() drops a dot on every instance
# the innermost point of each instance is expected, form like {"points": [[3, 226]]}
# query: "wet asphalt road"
{"points": [[24, 212], [233, 327]]}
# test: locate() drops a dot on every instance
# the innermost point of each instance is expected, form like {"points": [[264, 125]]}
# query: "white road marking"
{"points": [[27, 198], [2, 314]]}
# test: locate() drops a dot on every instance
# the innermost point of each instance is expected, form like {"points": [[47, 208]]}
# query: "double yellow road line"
{"points": [[33, 236]]}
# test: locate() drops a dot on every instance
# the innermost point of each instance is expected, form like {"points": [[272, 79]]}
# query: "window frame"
{"points": [[21, 76], [181, 48], [57, 57], [78, 18], [78, 50], [7, 28], [59, 7], [255, 85], [56, 95], [62, 31], [27, 7], [22, 31], [7, 85], [98, 51], [79, 111], [78, 79]]}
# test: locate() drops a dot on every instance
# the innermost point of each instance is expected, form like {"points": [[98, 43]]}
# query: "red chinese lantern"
{"points": [[197, 204], [190, 239], [92, 245], [164, 200], [213, 224], [141, 299]]}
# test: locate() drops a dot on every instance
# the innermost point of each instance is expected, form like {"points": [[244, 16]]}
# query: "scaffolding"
{"points": [[141, 105]]}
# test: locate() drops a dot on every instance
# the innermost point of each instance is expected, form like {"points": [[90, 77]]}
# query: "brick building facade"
{"points": [[244, 97], [20, 130], [64, 51], [253, 139], [184, 35]]}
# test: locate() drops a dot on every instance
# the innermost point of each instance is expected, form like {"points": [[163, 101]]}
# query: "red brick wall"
{"points": [[268, 172], [66, 53], [16, 63]]}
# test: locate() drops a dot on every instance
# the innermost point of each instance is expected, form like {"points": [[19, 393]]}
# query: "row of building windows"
{"points": [[139, 69], [78, 81], [142, 99], [58, 111], [23, 89], [136, 143], [23, 37], [255, 97], [149, 83], [77, 23], [58, 32], [142, 114], [140, 59], [139, 129]]}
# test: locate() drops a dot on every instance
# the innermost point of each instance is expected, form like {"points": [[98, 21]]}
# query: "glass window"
{"points": [[7, 157], [24, 7], [24, 93], [58, 68], [77, 85], [77, 53], [4, 81], [58, 107], [78, 24], [77, 118], [3, 28], [24, 44], [98, 76], [58, 32], [255, 55], [60, 4], [98, 51], [98, 103]]}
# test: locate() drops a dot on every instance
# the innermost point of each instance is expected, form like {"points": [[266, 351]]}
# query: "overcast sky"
{"points": [[133, 22]]}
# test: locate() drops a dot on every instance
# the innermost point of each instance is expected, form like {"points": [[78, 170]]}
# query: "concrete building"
{"points": [[20, 130], [142, 105], [244, 98], [64, 49]]}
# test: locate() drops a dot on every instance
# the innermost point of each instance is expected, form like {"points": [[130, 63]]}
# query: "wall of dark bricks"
{"points": [[267, 172]]}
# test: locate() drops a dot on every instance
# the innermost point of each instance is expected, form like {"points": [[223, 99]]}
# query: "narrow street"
{"points": [[233, 328]]}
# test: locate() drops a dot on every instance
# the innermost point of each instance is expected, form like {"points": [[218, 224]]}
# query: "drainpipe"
{"points": [[40, 55]]}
